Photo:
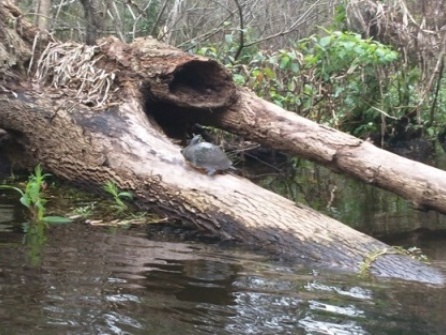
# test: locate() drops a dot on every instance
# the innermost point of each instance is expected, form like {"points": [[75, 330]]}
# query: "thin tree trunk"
{"points": [[95, 21], [43, 17]]}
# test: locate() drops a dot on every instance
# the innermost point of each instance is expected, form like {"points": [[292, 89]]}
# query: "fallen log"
{"points": [[93, 138], [422, 185]]}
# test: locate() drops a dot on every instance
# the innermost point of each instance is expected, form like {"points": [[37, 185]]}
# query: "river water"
{"points": [[77, 279]]}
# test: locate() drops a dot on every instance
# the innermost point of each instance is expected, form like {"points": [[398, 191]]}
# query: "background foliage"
{"points": [[357, 65]]}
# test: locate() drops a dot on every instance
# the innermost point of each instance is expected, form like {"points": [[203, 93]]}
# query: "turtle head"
{"points": [[196, 139]]}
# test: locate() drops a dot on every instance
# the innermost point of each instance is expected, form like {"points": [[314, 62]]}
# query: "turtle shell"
{"points": [[206, 156]]}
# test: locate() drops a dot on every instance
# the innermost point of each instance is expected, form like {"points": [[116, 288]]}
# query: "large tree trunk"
{"points": [[98, 140]]}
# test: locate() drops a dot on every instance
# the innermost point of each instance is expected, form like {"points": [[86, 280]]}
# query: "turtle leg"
{"points": [[210, 172]]}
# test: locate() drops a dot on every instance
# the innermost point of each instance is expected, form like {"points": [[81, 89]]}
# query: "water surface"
{"points": [[112, 281], [77, 279]]}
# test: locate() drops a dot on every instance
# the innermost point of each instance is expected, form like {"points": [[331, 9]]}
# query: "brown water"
{"points": [[76, 279], [84, 280]]}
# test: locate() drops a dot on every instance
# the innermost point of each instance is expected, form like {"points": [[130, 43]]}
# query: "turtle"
{"points": [[206, 156]]}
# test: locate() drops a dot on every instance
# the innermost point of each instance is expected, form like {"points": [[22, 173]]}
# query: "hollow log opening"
{"points": [[204, 82], [204, 88]]}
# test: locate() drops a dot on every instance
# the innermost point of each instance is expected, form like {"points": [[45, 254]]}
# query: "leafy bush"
{"points": [[340, 79]]}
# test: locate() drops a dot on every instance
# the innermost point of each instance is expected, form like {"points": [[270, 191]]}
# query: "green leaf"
{"points": [[295, 67], [7, 187], [324, 41], [56, 220], [430, 131], [111, 188], [239, 79], [269, 73], [284, 62], [127, 195], [25, 201], [310, 59]]}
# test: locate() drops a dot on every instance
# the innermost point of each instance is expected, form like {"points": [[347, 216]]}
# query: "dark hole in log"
{"points": [[197, 92], [177, 122], [173, 120], [200, 78], [201, 84]]}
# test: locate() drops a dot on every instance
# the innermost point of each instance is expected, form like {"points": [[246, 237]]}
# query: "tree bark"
{"points": [[95, 21], [115, 140], [261, 121], [43, 14]]}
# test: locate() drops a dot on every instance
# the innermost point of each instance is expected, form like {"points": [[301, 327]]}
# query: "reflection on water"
{"points": [[92, 281], [363, 207]]}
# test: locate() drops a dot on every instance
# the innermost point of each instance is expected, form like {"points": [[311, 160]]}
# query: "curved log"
{"points": [[114, 140]]}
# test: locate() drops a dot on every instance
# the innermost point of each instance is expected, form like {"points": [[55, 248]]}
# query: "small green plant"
{"points": [[32, 198], [112, 189]]}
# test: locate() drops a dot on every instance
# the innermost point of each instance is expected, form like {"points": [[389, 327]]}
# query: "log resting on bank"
{"points": [[119, 142]]}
